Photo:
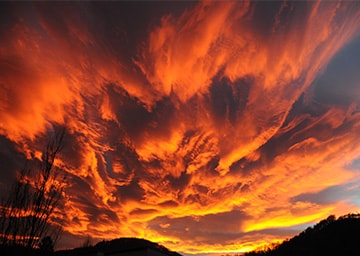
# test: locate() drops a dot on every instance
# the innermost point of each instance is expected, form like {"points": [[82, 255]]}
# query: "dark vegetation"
{"points": [[330, 236], [26, 211]]}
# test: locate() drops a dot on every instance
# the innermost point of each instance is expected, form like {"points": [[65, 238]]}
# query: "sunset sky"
{"points": [[209, 127]]}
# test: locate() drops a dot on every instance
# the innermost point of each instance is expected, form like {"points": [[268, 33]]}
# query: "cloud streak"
{"points": [[203, 127]]}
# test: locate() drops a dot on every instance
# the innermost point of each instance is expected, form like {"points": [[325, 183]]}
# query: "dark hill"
{"points": [[120, 245], [329, 237]]}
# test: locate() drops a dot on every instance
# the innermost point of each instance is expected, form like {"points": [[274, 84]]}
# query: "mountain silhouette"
{"points": [[330, 236], [121, 246]]}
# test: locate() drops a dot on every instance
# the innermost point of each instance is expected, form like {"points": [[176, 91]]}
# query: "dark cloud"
{"points": [[329, 195], [169, 204], [228, 100], [132, 191], [340, 82], [136, 119], [207, 229], [178, 183], [11, 161], [130, 112], [143, 211], [73, 150]]}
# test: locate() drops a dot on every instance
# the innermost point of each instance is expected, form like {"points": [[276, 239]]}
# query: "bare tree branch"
{"points": [[26, 211]]}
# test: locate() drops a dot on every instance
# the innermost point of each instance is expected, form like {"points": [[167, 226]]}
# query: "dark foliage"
{"points": [[19, 250], [330, 236], [46, 246]]}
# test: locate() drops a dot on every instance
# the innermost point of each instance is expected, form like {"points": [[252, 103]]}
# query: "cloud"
{"points": [[209, 127], [329, 195], [10, 160], [201, 230]]}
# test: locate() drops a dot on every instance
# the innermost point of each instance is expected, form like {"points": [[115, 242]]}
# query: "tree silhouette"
{"points": [[46, 246], [87, 242], [26, 211]]}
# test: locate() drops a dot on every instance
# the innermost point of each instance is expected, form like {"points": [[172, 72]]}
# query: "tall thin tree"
{"points": [[26, 212]]}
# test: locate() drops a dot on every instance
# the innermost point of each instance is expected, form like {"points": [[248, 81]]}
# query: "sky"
{"points": [[208, 127]]}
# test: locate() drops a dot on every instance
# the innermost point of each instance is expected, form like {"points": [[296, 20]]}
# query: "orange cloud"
{"points": [[202, 130]]}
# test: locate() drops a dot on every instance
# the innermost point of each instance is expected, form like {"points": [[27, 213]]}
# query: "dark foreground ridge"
{"points": [[118, 247], [121, 246], [329, 237]]}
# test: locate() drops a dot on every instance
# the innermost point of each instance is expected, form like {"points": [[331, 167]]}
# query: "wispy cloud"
{"points": [[202, 128]]}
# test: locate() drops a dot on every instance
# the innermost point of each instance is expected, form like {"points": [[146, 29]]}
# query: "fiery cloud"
{"points": [[213, 126]]}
